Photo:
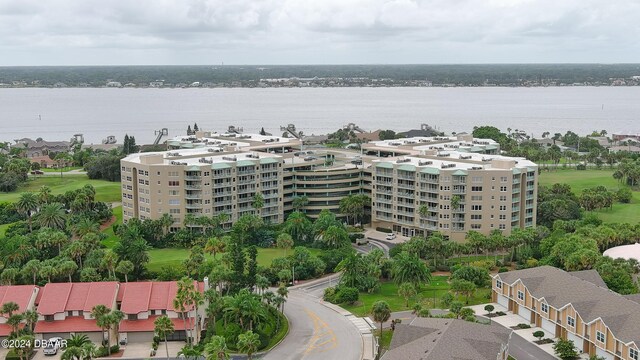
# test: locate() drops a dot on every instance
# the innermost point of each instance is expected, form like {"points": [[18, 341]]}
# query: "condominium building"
{"points": [[453, 192], [446, 184], [575, 306]]}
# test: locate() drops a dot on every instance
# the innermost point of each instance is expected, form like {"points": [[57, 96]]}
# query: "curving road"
{"points": [[315, 331]]}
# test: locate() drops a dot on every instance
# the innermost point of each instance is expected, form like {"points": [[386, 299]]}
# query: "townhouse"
{"points": [[64, 309], [576, 306], [22, 295]]}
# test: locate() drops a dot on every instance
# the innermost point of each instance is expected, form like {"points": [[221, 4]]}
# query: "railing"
{"points": [[193, 178], [193, 206], [192, 187], [193, 196]]}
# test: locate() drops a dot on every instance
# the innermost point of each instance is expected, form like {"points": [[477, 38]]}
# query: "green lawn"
{"points": [[159, 258], [105, 190], [388, 292], [580, 180], [111, 239]]}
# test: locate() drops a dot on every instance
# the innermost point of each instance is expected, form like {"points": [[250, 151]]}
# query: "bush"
{"points": [[424, 313], [538, 334], [501, 313], [503, 269], [624, 195], [477, 275], [581, 167], [347, 295], [329, 295], [443, 268], [523, 326], [384, 230]]}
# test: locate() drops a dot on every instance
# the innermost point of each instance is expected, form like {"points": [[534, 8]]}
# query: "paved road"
{"points": [[316, 332]]}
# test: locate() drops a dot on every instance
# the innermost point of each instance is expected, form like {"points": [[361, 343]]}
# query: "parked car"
{"points": [[37, 172], [391, 236], [53, 345]]}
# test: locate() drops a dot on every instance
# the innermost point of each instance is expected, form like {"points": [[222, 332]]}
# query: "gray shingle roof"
{"points": [[581, 289], [446, 339]]}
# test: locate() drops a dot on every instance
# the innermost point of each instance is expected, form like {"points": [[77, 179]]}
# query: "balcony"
{"points": [[193, 187], [191, 177], [193, 196], [246, 172], [246, 181], [383, 200], [193, 206], [406, 186]]}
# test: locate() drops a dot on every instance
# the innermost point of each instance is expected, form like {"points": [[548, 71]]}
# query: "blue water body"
{"points": [[57, 114]]}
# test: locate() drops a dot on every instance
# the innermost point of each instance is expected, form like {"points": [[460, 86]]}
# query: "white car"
{"points": [[53, 345], [391, 236]]}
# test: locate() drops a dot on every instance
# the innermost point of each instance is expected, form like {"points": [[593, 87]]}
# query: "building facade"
{"points": [[418, 185], [573, 306]]}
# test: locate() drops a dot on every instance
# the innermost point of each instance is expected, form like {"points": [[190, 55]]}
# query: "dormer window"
{"points": [[48, 318], [132, 317]]}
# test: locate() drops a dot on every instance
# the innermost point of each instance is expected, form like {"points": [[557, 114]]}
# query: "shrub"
{"points": [[424, 313], [565, 349], [538, 334], [384, 230], [624, 195], [477, 275], [329, 294], [523, 326], [501, 313], [347, 294], [489, 308], [503, 269], [581, 167], [443, 268]]}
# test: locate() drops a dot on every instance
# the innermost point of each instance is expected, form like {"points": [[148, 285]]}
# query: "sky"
{"points": [[199, 32]]}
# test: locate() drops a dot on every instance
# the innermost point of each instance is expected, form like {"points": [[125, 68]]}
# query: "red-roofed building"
{"points": [[142, 302], [65, 308], [23, 295]]}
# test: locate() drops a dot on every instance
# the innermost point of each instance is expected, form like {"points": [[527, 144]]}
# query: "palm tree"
{"points": [[298, 226], [51, 237], [166, 220], [284, 293], [284, 241], [9, 275], [216, 245], [125, 267], [249, 343], [44, 194], [99, 312], [72, 353], [335, 236], [85, 226], [89, 351], [406, 290], [258, 202], [163, 327], [14, 322], [32, 268], [409, 268], [30, 318], [115, 318], [67, 268], [381, 313], [216, 348], [24, 351], [27, 204], [109, 261], [52, 216], [76, 250], [78, 340], [299, 202], [47, 271]]}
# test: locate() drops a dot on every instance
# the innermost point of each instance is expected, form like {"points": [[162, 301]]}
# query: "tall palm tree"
{"points": [[52, 216], [216, 245], [31, 268], [381, 313], [409, 268], [125, 267], [216, 348], [284, 241], [9, 308], [164, 326], [27, 204], [166, 220], [98, 312], [30, 318], [85, 226], [109, 262], [14, 322], [77, 250], [67, 268]]}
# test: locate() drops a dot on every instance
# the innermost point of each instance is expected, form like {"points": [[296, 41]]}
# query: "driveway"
{"points": [[142, 350], [41, 356]]}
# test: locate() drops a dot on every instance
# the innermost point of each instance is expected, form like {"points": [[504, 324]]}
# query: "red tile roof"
{"points": [[19, 294], [61, 297], [5, 329], [137, 297], [147, 324], [70, 324]]}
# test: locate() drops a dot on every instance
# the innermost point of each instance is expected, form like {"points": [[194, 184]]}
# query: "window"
{"points": [[503, 207], [502, 227], [499, 284], [600, 336], [503, 197], [476, 197], [174, 211], [503, 179], [48, 318], [174, 201], [503, 217], [476, 216], [571, 321], [545, 308], [476, 188], [476, 207], [174, 192], [132, 317], [476, 179], [174, 183], [633, 354], [503, 188], [520, 295], [476, 226]]}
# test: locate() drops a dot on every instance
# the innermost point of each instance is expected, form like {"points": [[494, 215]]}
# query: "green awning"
{"points": [[245, 163], [385, 165], [407, 167], [460, 172], [491, 147], [269, 160], [218, 166], [430, 170], [515, 171]]}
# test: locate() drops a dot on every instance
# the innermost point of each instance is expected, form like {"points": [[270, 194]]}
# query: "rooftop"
{"points": [[19, 294], [137, 297], [61, 297], [447, 339], [455, 160]]}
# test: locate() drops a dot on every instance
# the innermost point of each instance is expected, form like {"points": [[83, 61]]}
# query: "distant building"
{"points": [[424, 131], [40, 147]]}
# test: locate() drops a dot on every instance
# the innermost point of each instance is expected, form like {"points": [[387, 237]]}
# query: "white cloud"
{"points": [[297, 31]]}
